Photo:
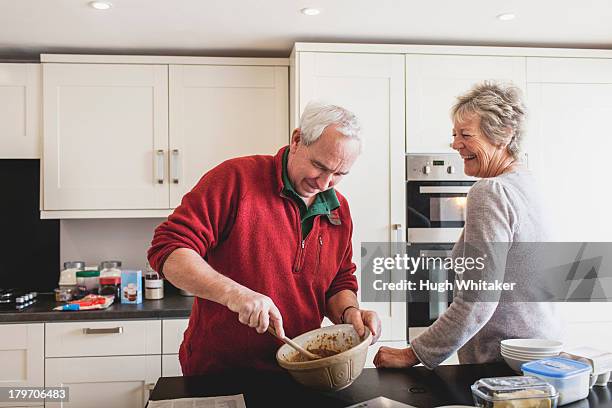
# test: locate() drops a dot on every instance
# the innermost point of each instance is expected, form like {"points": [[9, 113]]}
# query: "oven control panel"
{"points": [[435, 167]]}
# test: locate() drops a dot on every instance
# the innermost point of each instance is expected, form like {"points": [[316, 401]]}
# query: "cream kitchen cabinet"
{"points": [[105, 137], [220, 112], [432, 84], [22, 348], [172, 337], [569, 143], [372, 86], [129, 140], [20, 99], [103, 363], [100, 382]]}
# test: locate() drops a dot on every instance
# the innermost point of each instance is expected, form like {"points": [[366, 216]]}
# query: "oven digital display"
{"points": [[438, 162]]}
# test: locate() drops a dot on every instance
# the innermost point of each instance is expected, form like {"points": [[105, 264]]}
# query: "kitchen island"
{"points": [[417, 386]]}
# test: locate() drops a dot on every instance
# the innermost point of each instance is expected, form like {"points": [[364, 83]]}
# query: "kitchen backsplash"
{"points": [[95, 240]]}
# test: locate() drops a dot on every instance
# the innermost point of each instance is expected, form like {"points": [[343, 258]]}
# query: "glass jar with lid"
{"points": [[89, 279], [68, 274], [110, 269], [111, 285], [154, 284]]}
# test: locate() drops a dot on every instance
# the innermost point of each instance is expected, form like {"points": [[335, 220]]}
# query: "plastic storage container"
{"points": [[519, 391], [569, 377], [89, 279]]}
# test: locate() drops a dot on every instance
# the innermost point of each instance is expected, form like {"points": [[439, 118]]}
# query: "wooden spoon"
{"points": [[297, 347]]}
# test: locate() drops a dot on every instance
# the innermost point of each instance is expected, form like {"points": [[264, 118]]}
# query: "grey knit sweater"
{"points": [[505, 208]]}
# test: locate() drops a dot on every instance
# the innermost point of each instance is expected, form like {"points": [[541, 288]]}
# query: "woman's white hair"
{"points": [[501, 111], [318, 115]]}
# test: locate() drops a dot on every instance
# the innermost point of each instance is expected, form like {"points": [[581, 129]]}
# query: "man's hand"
{"points": [[389, 357], [361, 319], [255, 310]]}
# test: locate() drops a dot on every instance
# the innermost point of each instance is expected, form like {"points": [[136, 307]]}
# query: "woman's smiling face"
{"points": [[481, 158]]}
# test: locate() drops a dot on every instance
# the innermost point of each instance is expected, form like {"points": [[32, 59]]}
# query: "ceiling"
{"points": [[270, 27]]}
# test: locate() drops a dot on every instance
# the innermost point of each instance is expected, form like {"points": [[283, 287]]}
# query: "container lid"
{"points": [[110, 264], [74, 265], [88, 274], [513, 388], [110, 280], [556, 367]]}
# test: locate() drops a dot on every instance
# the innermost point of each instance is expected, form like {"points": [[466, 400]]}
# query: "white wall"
{"points": [[96, 240]]}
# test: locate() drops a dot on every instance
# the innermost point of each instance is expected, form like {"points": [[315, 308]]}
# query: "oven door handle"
{"points": [[444, 189]]}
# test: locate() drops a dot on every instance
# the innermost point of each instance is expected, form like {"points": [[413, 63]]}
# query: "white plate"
{"points": [[528, 356], [531, 354], [515, 364], [533, 345]]}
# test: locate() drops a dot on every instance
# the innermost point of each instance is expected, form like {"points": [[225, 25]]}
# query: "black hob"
{"points": [[16, 299]]}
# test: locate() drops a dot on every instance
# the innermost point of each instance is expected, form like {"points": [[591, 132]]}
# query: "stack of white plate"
{"points": [[519, 351]]}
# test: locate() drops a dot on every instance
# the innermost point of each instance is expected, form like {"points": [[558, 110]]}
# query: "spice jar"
{"points": [[154, 285], [110, 286], [63, 294]]}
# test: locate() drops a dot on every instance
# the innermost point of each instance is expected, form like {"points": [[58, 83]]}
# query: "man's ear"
{"points": [[296, 137]]}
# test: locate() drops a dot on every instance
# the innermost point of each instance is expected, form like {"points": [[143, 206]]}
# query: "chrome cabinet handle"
{"points": [[175, 166], [399, 231], [160, 167], [103, 330]]}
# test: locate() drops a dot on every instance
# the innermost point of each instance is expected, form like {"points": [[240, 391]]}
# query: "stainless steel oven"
{"points": [[436, 191], [436, 194]]}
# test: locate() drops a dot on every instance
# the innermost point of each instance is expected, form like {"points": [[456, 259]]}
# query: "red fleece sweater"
{"points": [[238, 221]]}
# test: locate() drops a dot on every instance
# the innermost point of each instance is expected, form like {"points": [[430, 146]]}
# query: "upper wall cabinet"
{"points": [[20, 111], [220, 112], [129, 140], [433, 83], [105, 136]]}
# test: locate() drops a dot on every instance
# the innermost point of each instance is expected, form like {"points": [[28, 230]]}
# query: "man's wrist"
{"points": [[342, 320]]}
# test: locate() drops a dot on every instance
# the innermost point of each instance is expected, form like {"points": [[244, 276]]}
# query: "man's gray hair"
{"points": [[500, 108], [317, 116]]}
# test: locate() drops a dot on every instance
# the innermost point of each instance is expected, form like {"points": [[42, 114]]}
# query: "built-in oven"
{"points": [[424, 306], [436, 195], [436, 191]]}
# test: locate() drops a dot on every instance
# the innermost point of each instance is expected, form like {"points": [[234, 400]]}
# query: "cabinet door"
{"points": [[105, 137], [221, 112], [20, 112], [372, 86], [569, 143], [22, 356], [100, 382], [432, 84]]}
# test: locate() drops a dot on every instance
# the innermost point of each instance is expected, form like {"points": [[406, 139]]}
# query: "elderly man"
{"points": [[262, 237]]}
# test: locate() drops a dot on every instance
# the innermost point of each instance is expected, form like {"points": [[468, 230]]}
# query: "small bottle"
{"points": [[154, 284]]}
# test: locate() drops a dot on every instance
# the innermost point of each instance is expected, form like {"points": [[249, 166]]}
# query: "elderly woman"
{"points": [[502, 207]]}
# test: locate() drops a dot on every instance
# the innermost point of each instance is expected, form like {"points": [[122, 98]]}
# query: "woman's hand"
{"points": [[389, 357]]}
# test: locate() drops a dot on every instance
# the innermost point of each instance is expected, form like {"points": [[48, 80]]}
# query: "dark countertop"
{"points": [[446, 385], [172, 305]]}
